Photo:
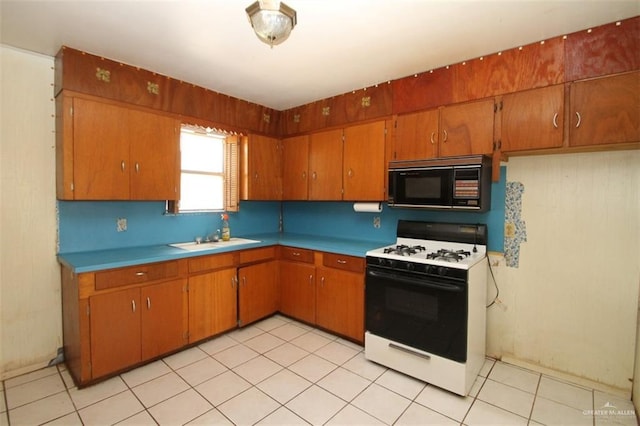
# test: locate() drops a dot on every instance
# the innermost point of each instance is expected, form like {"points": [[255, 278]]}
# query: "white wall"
{"points": [[572, 303], [30, 306]]}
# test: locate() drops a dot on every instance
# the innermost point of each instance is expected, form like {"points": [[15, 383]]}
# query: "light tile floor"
{"points": [[280, 371]]}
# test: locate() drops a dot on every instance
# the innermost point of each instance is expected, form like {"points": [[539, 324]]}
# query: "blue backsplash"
{"points": [[91, 225]]}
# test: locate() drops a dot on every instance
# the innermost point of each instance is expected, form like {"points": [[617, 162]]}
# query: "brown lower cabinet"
{"points": [[119, 318], [327, 291]]}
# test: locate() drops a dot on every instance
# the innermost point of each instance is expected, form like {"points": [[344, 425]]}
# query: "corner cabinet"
{"points": [[605, 110], [109, 151]]}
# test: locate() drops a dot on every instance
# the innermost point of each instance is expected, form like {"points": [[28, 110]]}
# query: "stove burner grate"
{"points": [[404, 250], [449, 255]]}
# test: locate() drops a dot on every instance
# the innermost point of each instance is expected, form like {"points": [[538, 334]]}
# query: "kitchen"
{"points": [[530, 326]]}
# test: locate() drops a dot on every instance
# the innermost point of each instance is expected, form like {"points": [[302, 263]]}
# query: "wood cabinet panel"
{"points": [[115, 323], [257, 255], [136, 274], [417, 135], [296, 254], [344, 262], [164, 328], [605, 110], [325, 165], [100, 151], [258, 291], [298, 291], [260, 168], [212, 303], [467, 129], [606, 49], [422, 91], [340, 302], [212, 262], [295, 168], [502, 73], [533, 119], [364, 177]]}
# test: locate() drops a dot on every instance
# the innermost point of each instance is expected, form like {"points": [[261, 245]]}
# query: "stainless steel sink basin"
{"points": [[193, 246]]}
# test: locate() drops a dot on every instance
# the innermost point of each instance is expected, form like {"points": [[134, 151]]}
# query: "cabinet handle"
{"points": [[148, 303], [255, 176], [433, 135], [304, 175], [579, 119], [310, 279], [141, 273], [350, 173], [233, 279], [122, 165], [314, 176], [133, 305], [446, 135], [137, 167], [244, 281], [555, 120], [295, 253], [322, 282], [342, 262]]}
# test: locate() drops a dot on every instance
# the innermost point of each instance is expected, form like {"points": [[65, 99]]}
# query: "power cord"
{"points": [[495, 283]]}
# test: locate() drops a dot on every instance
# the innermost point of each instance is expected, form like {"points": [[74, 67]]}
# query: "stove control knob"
{"points": [[391, 263], [380, 261], [409, 266], [442, 270]]}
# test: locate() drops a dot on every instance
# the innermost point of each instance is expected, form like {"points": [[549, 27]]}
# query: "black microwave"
{"points": [[454, 183]]}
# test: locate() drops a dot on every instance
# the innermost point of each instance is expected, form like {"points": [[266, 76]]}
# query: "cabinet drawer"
{"points": [[296, 254], [340, 261], [136, 274], [215, 261], [256, 255]]}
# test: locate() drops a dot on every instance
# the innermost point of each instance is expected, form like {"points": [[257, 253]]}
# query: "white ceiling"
{"points": [[338, 45]]}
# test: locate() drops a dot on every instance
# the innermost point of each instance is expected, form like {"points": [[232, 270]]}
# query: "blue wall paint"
{"points": [[337, 219], [91, 225]]}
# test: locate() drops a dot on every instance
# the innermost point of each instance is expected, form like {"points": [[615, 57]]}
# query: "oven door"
{"points": [[424, 312]]}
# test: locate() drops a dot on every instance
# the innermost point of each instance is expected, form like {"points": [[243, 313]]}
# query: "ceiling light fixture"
{"points": [[271, 20]]}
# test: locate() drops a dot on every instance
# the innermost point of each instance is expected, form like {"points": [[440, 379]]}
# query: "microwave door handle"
{"points": [[417, 282]]}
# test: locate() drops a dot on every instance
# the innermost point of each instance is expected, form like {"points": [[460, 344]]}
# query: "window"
{"points": [[208, 170]]}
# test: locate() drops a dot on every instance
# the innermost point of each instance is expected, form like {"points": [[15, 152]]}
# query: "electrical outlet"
{"points": [[496, 259], [376, 222], [121, 224]]}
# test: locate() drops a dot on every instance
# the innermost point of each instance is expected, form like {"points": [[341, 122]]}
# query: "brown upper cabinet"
{"points": [[106, 151], [363, 173], [461, 129], [295, 168], [260, 168], [605, 110], [533, 119], [325, 165]]}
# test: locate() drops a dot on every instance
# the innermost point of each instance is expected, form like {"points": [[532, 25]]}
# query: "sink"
{"points": [[193, 246]]}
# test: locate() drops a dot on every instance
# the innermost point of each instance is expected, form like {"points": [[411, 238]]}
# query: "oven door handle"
{"points": [[417, 282]]}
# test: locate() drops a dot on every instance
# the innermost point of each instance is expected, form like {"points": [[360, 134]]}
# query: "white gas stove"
{"points": [[425, 303]]}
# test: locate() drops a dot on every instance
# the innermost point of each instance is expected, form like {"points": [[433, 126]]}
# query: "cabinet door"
{"points": [[100, 151], [212, 303], [261, 168], [115, 331], [533, 119], [340, 302], [163, 311], [295, 168], [258, 291], [417, 136], [154, 145], [467, 129], [363, 163], [325, 165], [605, 110], [298, 290]]}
